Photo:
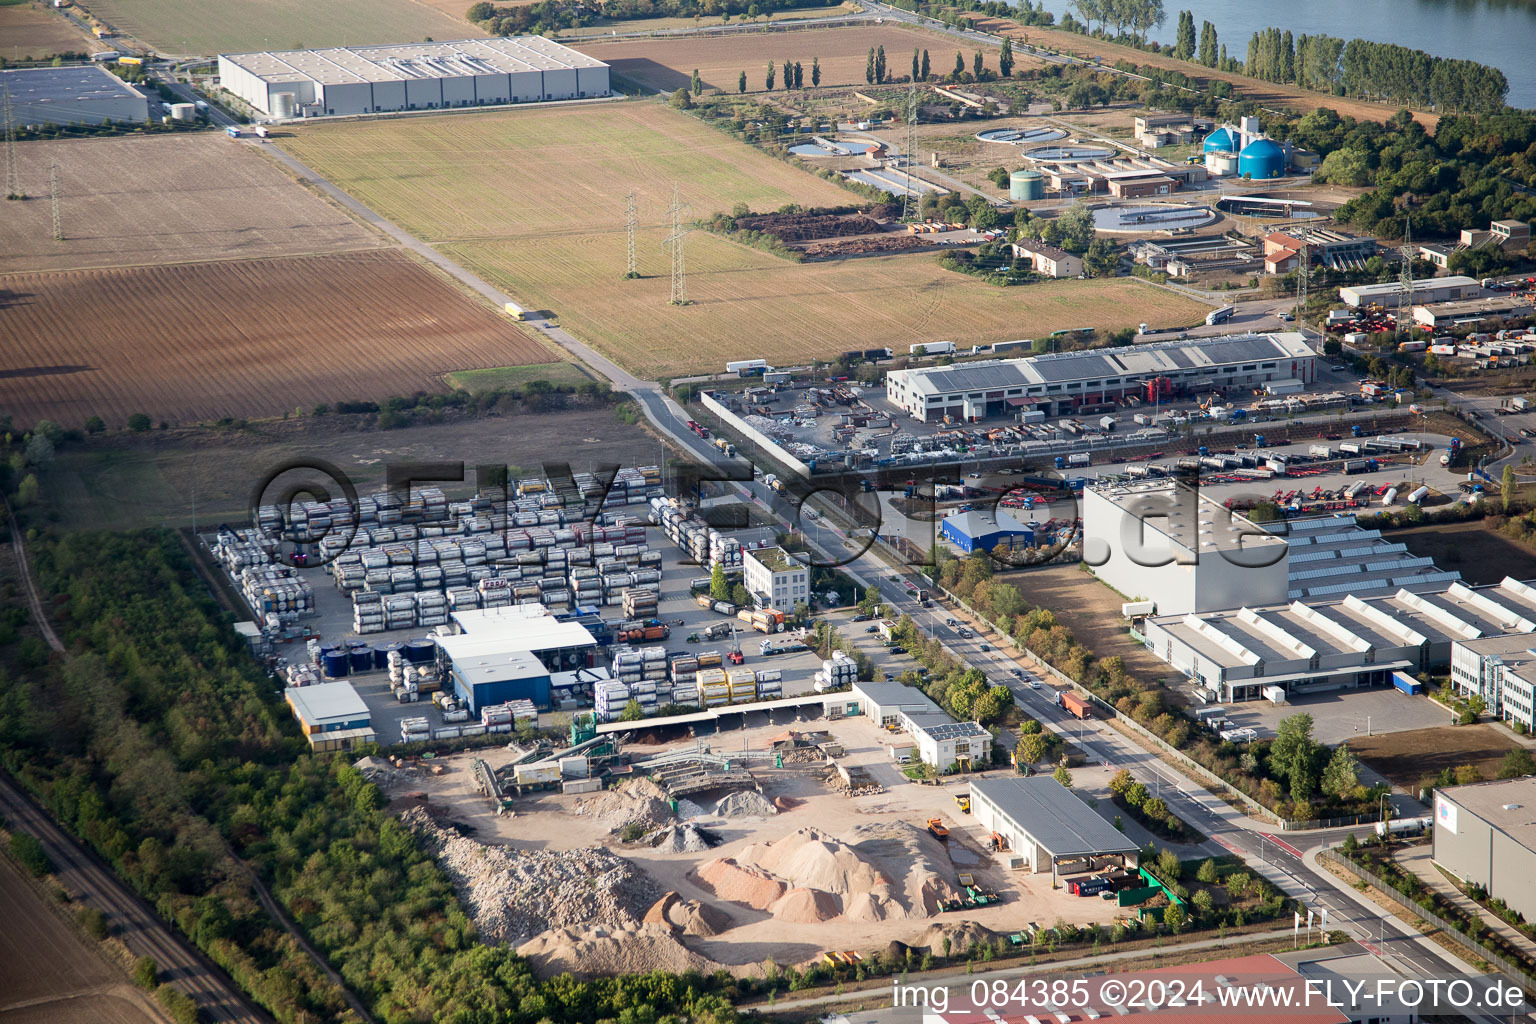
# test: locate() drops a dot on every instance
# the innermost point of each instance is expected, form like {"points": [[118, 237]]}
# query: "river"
{"points": [[1501, 33]]}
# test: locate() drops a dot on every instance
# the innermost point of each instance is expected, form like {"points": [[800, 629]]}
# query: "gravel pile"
{"points": [[385, 775], [515, 895], [688, 809], [599, 952], [639, 801], [686, 838], [745, 804]]}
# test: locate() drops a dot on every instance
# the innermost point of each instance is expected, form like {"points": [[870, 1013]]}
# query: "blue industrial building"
{"points": [[1261, 159], [983, 531], [509, 653], [489, 679]]}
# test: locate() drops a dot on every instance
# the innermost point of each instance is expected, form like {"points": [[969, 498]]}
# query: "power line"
{"points": [[1303, 279], [53, 197], [911, 148], [674, 241], [632, 265], [12, 169], [1405, 300]]}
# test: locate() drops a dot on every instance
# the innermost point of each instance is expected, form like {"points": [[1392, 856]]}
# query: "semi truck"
{"points": [[1402, 826], [1074, 705], [1219, 316]]}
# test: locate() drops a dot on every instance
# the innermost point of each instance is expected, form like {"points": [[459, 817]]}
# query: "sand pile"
{"points": [[639, 801], [738, 883], [686, 838], [960, 934], [513, 895], [745, 803], [688, 916], [595, 952], [786, 803], [877, 872]]}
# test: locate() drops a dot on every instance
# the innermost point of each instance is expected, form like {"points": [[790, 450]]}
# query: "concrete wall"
{"points": [[991, 818], [770, 446]]}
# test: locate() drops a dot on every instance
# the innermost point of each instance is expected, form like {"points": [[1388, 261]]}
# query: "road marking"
{"points": [[1287, 847]]}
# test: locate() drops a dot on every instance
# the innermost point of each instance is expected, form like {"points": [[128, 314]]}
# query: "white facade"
{"points": [[1499, 669], [1057, 384], [775, 578], [414, 76], [1161, 541], [944, 744]]}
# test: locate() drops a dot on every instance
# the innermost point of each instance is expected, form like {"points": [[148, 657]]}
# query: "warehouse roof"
{"points": [[889, 695], [1108, 365], [978, 524], [487, 631], [1187, 521], [1057, 820], [69, 89], [498, 666], [327, 702], [344, 65], [1509, 805]]}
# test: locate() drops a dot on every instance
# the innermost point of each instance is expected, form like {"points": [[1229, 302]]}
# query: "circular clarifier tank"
{"points": [[1067, 154], [1149, 217]]}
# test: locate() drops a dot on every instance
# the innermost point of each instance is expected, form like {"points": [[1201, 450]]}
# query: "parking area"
{"points": [[1344, 714]]}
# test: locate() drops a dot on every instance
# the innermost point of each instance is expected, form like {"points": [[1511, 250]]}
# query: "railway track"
{"points": [[92, 883]]}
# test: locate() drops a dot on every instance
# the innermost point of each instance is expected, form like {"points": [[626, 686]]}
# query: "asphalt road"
{"points": [[93, 884]]}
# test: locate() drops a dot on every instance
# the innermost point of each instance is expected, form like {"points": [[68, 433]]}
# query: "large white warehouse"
{"points": [[412, 76]]}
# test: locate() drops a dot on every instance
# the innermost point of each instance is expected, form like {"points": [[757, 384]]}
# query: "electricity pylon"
{"points": [[53, 197], [911, 148], [632, 265], [674, 241], [12, 169]]}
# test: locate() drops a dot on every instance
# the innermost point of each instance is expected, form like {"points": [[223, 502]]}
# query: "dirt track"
{"points": [[247, 338]]}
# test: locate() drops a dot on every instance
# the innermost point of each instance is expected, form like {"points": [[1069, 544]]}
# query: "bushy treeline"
{"points": [[553, 15], [1375, 71], [164, 746]]}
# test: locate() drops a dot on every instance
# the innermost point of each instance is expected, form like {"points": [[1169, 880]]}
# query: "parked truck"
{"points": [[1320, 451], [1402, 826], [1074, 705]]}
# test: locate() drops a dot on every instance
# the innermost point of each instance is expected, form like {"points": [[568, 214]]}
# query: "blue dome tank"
{"points": [[1221, 141], [1260, 159]]}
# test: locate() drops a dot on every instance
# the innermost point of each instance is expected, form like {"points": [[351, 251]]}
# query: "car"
{"points": [[861, 617], [1034, 684], [871, 629], [1526, 432], [1016, 673], [951, 622], [965, 634], [1287, 317], [986, 647]]}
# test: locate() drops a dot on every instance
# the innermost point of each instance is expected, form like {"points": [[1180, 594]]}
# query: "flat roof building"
{"points": [[1448, 314], [1050, 828], [412, 76], [1485, 834], [1162, 541], [1436, 289], [82, 94], [331, 715], [972, 531], [775, 578], [509, 653], [1060, 382], [1499, 669]]}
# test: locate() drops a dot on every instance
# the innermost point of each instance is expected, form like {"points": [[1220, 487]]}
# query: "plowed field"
{"points": [[245, 338]]}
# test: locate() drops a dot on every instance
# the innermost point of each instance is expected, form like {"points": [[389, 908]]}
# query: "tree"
{"points": [[1100, 259], [138, 423], [768, 76], [799, 76], [632, 712], [741, 596], [719, 587], [925, 65], [26, 849], [1155, 809], [1063, 776], [959, 64], [1137, 794], [1293, 750], [978, 65], [1207, 872], [1466, 774], [869, 67], [696, 85], [94, 425], [815, 72], [1342, 773], [789, 76], [39, 451], [1005, 59], [1184, 47], [1203, 901], [1032, 748], [1516, 764], [1208, 50], [1120, 782], [1175, 917], [146, 973], [480, 12], [682, 100], [917, 65], [26, 491], [880, 64], [1507, 486], [741, 82]]}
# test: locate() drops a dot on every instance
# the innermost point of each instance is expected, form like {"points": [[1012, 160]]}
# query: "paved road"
{"points": [[93, 884]]}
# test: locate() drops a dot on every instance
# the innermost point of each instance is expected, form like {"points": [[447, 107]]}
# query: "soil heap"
{"points": [[639, 801]]}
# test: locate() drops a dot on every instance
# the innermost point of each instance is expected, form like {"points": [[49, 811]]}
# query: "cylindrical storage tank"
{"points": [[1026, 185], [419, 651], [361, 657], [1389, 497], [1418, 495], [183, 112], [1222, 163], [1220, 140], [381, 653], [285, 104], [1261, 159], [335, 663]]}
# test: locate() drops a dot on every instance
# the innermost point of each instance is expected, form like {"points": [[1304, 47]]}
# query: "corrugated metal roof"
{"points": [[327, 702], [1055, 818]]}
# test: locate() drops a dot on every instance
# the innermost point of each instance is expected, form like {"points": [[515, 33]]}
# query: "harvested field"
{"points": [[1091, 611], [183, 26], [30, 30], [605, 26], [1475, 549], [668, 64], [735, 290], [500, 378], [1413, 759], [460, 181], [250, 338], [48, 974], [165, 199]]}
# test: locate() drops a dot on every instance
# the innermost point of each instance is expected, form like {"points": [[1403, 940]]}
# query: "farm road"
{"points": [[94, 885]]}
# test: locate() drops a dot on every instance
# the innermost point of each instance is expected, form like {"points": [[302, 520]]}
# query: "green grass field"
{"points": [[534, 202], [478, 382], [190, 27]]}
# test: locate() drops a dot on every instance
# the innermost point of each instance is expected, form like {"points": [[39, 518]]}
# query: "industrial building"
{"points": [[1047, 259], [1337, 250], [1124, 177], [983, 531], [886, 704], [503, 654], [1347, 642], [1242, 150], [1050, 829], [1331, 556], [1157, 130], [1162, 541], [1058, 383], [1449, 314], [1438, 289], [940, 741], [1509, 235], [331, 715], [411, 76], [1485, 834], [1188, 257], [775, 578], [83, 94]]}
